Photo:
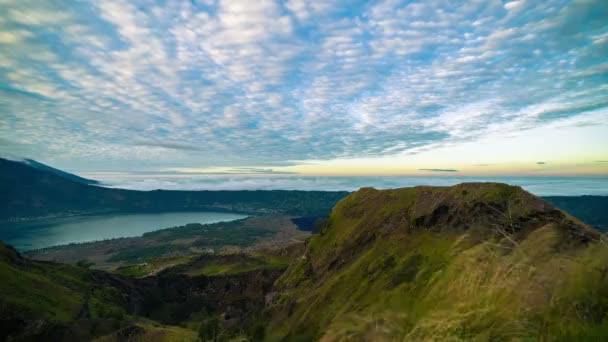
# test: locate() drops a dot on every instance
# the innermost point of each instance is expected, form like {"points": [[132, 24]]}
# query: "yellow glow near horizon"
{"points": [[580, 150]]}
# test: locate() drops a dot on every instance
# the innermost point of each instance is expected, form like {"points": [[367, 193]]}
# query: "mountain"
{"points": [[591, 209], [478, 261], [29, 192], [60, 173], [31, 189]]}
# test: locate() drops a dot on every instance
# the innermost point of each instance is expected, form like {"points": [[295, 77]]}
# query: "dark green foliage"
{"points": [[106, 302], [407, 271], [313, 224], [258, 331], [212, 236], [143, 253], [231, 237], [210, 329], [232, 233], [46, 300], [85, 263]]}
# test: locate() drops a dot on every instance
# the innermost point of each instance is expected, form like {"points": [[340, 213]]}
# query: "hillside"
{"points": [[55, 302], [29, 192], [60, 173], [592, 210], [477, 261]]}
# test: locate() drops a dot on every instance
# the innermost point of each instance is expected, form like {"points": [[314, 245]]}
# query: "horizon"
{"points": [[294, 88], [540, 185]]}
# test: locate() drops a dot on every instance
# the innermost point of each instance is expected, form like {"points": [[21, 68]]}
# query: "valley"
{"points": [[474, 261], [164, 247]]}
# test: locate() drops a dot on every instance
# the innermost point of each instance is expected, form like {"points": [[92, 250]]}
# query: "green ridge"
{"points": [[484, 262]]}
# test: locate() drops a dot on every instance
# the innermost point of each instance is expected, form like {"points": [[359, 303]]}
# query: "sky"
{"points": [[202, 88]]}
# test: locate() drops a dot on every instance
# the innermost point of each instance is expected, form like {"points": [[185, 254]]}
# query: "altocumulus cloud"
{"points": [[230, 83]]}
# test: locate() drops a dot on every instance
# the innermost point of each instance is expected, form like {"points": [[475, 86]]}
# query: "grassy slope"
{"points": [[497, 264], [54, 292], [58, 294], [217, 265], [151, 332], [43, 290], [46, 300]]}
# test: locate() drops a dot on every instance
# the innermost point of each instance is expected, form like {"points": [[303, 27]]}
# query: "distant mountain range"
{"points": [[30, 189], [62, 174], [33, 190], [593, 210]]}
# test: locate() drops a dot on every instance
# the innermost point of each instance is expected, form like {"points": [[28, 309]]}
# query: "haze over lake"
{"points": [[59, 231], [538, 185]]}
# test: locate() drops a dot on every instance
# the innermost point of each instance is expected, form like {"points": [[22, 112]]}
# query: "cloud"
{"points": [[170, 145], [153, 84], [230, 171], [440, 170], [253, 170], [306, 9], [513, 5], [13, 37]]}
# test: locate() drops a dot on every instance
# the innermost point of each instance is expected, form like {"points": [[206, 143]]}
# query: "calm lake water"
{"points": [[60, 231]]}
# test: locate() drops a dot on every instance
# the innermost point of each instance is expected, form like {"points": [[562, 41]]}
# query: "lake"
{"points": [[37, 234]]}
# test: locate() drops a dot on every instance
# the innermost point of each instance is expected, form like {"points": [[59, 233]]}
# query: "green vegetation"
{"points": [[154, 265], [150, 331], [103, 302], [50, 300], [483, 262], [144, 253], [85, 263], [139, 256], [211, 236], [246, 264], [52, 291], [212, 265], [210, 329], [472, 262]]}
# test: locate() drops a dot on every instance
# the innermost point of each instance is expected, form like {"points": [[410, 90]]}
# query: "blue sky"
{"points": [[308, 87]]}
